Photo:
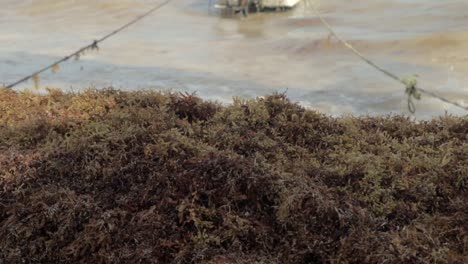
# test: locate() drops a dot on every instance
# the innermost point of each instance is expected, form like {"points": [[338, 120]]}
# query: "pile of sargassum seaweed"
{"points": [[144, 177]]}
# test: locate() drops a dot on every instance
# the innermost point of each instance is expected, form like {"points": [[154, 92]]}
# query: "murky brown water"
{"points": [[185, 48]]}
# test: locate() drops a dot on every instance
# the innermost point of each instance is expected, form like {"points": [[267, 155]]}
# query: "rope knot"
{"points": [[411, 91], [94, 46]]}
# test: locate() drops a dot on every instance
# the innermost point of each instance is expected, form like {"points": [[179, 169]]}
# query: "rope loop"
{"points": [[411, 91]]}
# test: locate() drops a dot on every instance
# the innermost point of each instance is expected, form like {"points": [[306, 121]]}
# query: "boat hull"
{"points": [[260, 4]]}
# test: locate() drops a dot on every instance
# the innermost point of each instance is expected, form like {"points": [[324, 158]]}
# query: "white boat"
{"points": [[279, 3]]}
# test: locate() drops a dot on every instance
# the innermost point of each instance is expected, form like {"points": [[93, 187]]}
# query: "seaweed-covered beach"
{"points": [[146, 177]]}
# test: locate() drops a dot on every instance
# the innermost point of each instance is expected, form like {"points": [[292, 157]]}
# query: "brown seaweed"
{"points": [[146, 177]]}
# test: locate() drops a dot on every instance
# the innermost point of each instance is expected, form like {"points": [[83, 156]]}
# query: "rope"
{"points": [[92, 46], [412, 90]]}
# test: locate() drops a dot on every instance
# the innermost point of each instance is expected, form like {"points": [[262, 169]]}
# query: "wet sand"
{"points": [[186, 48]]}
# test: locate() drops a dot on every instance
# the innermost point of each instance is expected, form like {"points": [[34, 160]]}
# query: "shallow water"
{"points": [[185, 47]]}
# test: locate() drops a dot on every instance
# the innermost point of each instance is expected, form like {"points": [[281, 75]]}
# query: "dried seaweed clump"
{"points": [[145, 177]]}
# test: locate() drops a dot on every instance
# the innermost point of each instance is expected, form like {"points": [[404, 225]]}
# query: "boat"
{"points": [[257, 5]]}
